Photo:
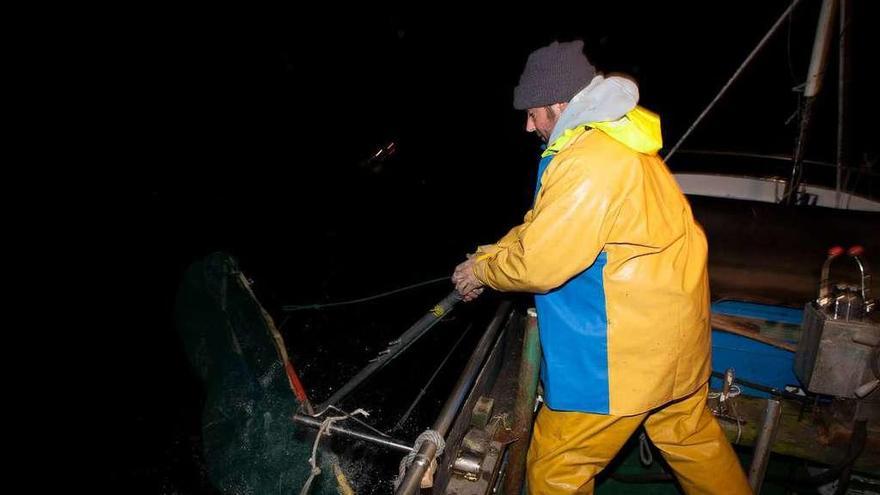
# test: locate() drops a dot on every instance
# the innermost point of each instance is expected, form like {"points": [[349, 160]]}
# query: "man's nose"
{"points": [[530, 125]]}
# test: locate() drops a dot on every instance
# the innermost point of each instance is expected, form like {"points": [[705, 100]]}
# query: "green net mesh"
{"points": [[251, 445]]}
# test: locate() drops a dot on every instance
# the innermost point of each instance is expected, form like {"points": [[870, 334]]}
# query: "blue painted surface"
{"points": [[781, 314], [752, 360]]}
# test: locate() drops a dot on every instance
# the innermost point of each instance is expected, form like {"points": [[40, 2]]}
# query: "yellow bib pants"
{"points": [[569, 449]]}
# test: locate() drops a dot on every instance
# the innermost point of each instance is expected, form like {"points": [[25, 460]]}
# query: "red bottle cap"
{"points": [[856, 250], [835, 251]]}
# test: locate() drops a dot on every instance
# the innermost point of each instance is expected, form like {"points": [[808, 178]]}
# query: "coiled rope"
{"points": [[435, 437]]}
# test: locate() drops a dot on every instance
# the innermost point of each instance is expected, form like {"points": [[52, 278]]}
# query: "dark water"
{"points": [[252, 141]]}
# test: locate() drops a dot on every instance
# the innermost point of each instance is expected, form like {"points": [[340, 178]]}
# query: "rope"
{"points": [[733, 77], [722, 399], [645, 454], [374, 430], [739, 422], [290, 308], [431, 435], [734, 391], [323, 430], [342, 482], [424, 389]]}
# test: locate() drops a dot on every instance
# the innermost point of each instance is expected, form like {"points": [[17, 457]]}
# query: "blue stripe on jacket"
{"points": [[574, 336]]}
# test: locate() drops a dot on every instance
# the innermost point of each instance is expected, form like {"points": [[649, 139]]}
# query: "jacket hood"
{"points": [[610, 104]]}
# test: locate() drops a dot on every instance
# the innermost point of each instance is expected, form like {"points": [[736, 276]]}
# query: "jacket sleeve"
{"points": [[565, 232], [490, 250]]}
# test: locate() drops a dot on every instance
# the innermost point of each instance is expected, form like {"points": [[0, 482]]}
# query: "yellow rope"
{"points": [[343, 485]]}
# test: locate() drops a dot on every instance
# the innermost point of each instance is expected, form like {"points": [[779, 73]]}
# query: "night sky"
{"points": [[248, 132]]}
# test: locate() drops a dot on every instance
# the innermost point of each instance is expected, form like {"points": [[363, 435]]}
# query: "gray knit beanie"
{"points": [[553, 74]]}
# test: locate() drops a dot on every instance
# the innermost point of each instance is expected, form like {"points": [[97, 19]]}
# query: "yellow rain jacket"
{"points": [[619, 267]]}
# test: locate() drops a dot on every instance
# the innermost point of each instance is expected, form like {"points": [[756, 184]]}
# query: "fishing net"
{"points": [[250, 443]]}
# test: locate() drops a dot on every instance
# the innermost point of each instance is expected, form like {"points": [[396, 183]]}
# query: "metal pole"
{"points": [[843, 68], [733, 77], [821, 46], [413, 477], [397, 346], [424, 389], [527, 390], [764, 444], [376, 439]]}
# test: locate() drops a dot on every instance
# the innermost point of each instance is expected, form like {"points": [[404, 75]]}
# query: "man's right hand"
{"points": [[470, 296], [466, 282]]}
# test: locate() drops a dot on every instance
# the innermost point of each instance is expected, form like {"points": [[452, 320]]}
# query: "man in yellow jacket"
{"points": [[618, 266]]}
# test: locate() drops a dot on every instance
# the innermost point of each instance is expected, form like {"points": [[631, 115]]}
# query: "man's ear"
{"points": [[559, 107]]}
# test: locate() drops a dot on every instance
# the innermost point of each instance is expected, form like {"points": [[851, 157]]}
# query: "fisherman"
{"points": [[618, 265]]}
